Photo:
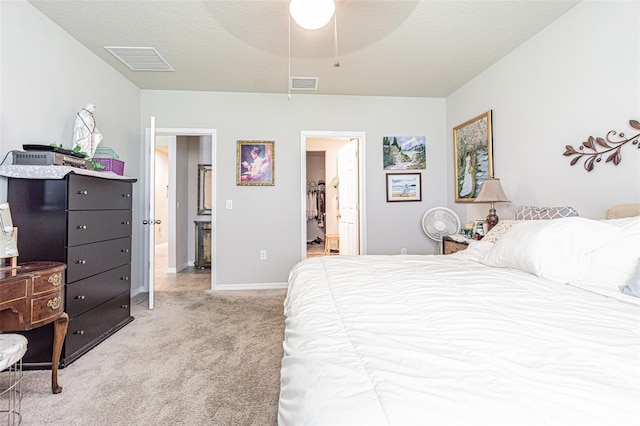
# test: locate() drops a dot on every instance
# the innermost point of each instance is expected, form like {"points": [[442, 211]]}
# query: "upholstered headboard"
{"points": [[623, 210]]}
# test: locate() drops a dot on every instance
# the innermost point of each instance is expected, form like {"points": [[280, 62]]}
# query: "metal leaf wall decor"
{"points": [[595, 148]]}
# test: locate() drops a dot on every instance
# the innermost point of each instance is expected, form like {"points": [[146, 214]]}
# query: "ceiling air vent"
{"points": [[140, 58], [303, 83]]}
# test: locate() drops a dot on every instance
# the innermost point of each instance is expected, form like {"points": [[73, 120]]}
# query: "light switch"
{"points": [[229, 204]]}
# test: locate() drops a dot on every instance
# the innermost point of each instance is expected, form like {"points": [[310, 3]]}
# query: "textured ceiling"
{"points": [[389, 48]]}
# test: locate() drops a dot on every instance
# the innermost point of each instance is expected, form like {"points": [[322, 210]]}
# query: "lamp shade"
{"points": [[312, 14], [491, 192]]}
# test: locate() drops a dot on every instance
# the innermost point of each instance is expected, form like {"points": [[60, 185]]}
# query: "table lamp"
{"points": [[492, 192]]}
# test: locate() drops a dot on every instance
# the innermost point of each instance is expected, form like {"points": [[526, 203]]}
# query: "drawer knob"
{"points": [[79, 332], [82, 227], [124, 306], [126, 223], [124, 251], [55, 280], [81, 297], [81, 262], [124, 278], [83, 192], [54, 303]]}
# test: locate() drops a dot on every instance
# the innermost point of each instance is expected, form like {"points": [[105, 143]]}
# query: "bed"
{"points": [[526, 327]]}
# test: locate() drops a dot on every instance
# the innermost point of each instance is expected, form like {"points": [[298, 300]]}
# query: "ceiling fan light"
{"points": [[312, 14]]}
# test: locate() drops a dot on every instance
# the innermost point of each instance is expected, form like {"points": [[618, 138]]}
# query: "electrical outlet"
{"points": [[263, 255], [229, 204], [403, 250]]}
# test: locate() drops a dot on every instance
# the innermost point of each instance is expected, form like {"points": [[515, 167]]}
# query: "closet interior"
{"points": [[316, 203]]}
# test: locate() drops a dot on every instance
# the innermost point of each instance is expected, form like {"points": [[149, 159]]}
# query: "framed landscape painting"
{"points": [[473, 156], [404, 152], [255, 163], [404, 187]]}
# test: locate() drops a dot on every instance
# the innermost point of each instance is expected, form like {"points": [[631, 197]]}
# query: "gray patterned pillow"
{"points": [[544, 213]]}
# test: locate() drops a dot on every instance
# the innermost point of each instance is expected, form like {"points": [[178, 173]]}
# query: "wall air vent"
{"points": [[140, 58], [303, 83]]}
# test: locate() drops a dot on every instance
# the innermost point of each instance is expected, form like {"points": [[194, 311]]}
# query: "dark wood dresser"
{"points": [[85, 222]]}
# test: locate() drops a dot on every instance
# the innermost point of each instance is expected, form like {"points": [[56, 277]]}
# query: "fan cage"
{"points": [[439, 222]]}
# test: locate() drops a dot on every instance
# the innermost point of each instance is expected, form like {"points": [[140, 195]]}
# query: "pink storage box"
{"points": [[111, 165]]}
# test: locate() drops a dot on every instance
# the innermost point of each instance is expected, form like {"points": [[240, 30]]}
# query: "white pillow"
{"points": [[632, 287], [614, 263], [555, 249]]}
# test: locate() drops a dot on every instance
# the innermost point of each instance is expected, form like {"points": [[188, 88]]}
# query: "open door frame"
{"points": [[361, 136], [149, 197]]}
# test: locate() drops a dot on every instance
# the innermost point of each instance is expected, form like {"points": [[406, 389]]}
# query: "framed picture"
{"points": [[473, 156], [404, 187], [404, 152], [204, 189], [255, 163]]}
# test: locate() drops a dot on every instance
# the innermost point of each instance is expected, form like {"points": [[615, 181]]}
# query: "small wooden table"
{"points": [[32, 295], [450, 246]]}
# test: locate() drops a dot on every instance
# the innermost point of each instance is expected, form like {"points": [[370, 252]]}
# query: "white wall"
{"points": [[182, 224], [268, 218], [46, 77], [576, 78]]}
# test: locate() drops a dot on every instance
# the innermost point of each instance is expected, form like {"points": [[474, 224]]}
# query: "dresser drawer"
{"points": [[86, 328], [90, 292], [44, 308], [91, 259], [89, 226], [46, 283], [10, 291], [88, 193]]}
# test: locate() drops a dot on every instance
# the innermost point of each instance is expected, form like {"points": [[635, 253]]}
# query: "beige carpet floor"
{"points": [[198, 358]]}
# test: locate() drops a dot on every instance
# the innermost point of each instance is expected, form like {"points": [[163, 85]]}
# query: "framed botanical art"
{"points": [[255, 163], [404, 187], [473, 156]]}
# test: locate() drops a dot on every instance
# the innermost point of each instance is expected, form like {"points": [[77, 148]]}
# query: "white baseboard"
{"points": [[251, 286], [176, 270]]}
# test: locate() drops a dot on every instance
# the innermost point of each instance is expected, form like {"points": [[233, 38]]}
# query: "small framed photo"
{"points": [[255, 163], [404, 187]]}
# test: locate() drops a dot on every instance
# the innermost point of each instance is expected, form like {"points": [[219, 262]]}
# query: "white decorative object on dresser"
{"points": [[83, 220]]}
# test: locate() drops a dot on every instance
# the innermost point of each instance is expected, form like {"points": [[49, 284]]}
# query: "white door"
{"points": [[149, 221], [348, 198]]}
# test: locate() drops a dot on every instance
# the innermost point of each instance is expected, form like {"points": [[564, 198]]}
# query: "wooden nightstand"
{"points": [[450, 246]]}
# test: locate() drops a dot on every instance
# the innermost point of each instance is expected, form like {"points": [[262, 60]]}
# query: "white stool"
{"points": [[12, 349]]}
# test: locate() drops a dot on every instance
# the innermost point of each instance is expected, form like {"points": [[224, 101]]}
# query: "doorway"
{"points": [[177, 157], [178, 193], [332, 193]]}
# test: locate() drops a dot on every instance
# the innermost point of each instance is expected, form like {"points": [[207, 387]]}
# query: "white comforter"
{"points": [[439, 340]]}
